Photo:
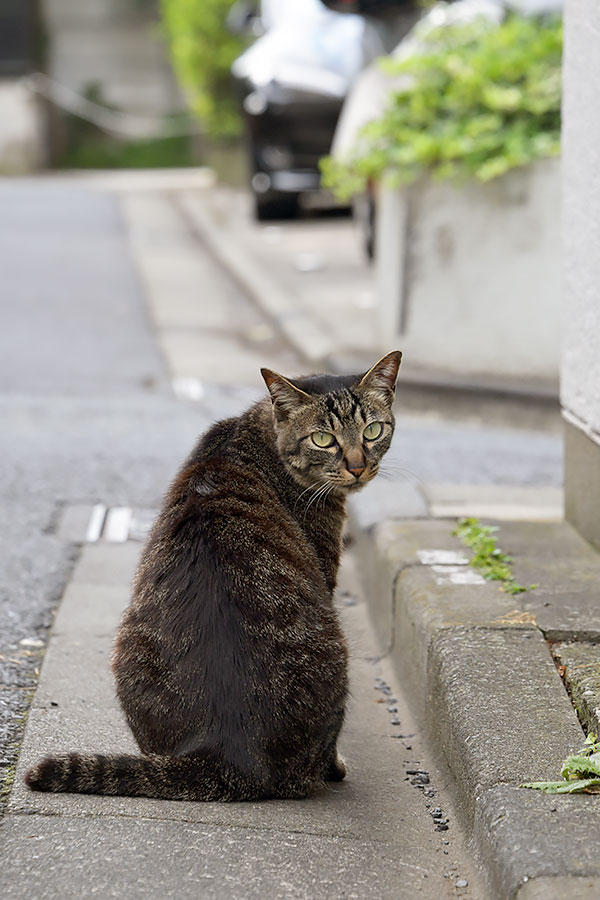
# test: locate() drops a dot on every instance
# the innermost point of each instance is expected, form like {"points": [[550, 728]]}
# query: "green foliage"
{"points": [[153, 153], [202, 51], [580, 770], [476, 101], [488, 558]]}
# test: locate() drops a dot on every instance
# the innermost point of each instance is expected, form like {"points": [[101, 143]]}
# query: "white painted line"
{"points": [[94, 528], [456, 575], [117, 525], [442, 558]]}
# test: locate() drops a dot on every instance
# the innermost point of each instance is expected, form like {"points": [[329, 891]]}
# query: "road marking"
{"points": [[456, 575], [442, 558], [449, 567], [94, 528], [118, 519]]}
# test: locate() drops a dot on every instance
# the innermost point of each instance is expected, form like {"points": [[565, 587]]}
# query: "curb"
{"points": [[310, 339], [299, 329], [480, 673]]}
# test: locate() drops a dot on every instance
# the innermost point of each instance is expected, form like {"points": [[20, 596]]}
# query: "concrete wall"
{"points": [[469, 277], [21, 133], [580, 373], [113, 43]]}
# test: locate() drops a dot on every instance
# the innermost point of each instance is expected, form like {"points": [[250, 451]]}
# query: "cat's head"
{"points": [[334, 429]]}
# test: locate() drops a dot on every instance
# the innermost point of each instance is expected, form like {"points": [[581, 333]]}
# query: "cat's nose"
{"points": [[355, 463]]}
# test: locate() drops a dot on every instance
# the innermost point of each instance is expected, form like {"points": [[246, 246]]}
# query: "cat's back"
{"points": [[229, 517], [228, 588]]}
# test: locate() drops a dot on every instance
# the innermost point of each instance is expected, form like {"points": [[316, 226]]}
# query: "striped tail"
{"points": [[198, 777]]}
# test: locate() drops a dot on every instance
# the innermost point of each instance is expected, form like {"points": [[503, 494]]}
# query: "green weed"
{"points": [[580, 771], [488, 558]]}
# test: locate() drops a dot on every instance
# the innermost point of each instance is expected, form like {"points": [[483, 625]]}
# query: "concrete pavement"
{"points": [[372, 836]]}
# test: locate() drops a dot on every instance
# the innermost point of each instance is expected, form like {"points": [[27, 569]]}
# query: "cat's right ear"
{"points": [[284, 395]]}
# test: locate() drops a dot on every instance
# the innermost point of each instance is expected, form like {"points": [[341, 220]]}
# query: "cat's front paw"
{"points": [[337, 770]]}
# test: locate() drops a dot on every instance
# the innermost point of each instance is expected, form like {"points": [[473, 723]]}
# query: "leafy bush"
{"points": [[152, 153], [475, 101], [202, 51]]}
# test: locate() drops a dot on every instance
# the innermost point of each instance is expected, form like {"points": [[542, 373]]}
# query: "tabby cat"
{"points": [[230, 663]]}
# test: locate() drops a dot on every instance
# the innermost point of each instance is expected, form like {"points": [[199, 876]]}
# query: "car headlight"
{"points": [[255, 103]]}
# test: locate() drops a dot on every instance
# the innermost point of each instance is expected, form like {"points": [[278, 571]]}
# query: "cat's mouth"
{"points": [[353, 483]]}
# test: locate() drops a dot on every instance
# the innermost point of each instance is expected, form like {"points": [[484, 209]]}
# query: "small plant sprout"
{"points": [[488, 558], [580, 771]]}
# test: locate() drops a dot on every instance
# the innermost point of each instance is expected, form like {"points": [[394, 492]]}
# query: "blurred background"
{"points": [[436, 125]]}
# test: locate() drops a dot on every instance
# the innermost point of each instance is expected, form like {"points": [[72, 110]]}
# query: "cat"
{"points": [[230, 663]]}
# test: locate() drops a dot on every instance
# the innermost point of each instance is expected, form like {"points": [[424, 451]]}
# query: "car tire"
{"points": [[269, 207]]}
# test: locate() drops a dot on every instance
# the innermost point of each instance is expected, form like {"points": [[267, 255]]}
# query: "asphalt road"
{"points": [[85, 404]]}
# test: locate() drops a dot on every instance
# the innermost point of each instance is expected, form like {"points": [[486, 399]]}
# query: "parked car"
{"points": [[367, 97], [292, 82]]}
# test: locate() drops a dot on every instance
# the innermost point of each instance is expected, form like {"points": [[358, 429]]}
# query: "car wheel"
{"points": [[268, 207]]}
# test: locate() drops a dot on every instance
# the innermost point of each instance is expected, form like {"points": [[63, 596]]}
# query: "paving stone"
{"points": [[76, 674], [91, 609], [560, 888], [107, 564], [496, 501], [479, 669], [499, 708], [427, 603], [379, 501], [385, 550], [566, 569], [66, 859], [530, 835]]}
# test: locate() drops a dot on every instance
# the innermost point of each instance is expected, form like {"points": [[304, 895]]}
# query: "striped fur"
{"points": [[230, 663]]}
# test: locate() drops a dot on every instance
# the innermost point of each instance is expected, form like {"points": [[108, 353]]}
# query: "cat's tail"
{"points": [[198, 777]]}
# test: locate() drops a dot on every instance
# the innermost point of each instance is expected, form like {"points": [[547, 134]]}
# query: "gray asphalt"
{"points": [[85, 406]]}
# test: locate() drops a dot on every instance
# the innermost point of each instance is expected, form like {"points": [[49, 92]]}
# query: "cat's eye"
{"points": [[373, 431], [322, 438]]}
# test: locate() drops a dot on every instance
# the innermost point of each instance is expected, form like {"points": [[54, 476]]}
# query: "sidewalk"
{"points": [[351, 841]]}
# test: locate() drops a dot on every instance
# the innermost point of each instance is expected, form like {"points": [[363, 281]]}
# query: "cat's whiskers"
{"points": [[331, 488], [324, 495], [390, 470], [310, 487], [317, 496]]}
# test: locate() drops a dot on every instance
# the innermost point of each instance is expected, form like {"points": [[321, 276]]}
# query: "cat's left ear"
{"points": [[381, 378], [285, 396]]}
